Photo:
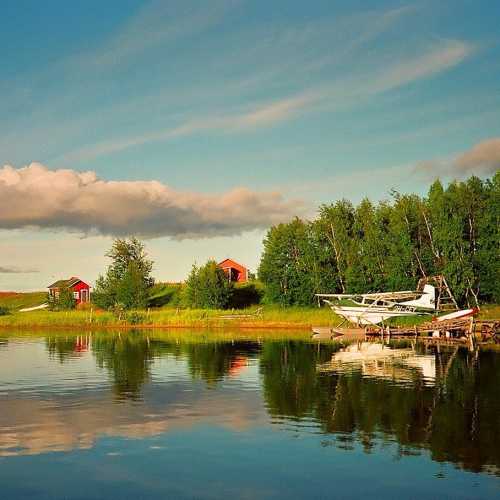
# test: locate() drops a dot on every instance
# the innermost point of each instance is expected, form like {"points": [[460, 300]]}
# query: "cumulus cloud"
{"points": [[34, 196], [482, 159]]}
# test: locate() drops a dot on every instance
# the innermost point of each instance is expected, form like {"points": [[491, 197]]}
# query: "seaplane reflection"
{"points": [[376, 360]]}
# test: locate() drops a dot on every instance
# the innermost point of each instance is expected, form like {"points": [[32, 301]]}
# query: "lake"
{"points": [[200, 415]]}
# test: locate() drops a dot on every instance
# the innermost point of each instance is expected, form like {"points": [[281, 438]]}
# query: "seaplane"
{"points": [[432, 296], [365, 309], [373, 308]]}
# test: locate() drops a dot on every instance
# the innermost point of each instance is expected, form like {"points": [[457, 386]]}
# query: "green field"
{"points": [[15, 301]]}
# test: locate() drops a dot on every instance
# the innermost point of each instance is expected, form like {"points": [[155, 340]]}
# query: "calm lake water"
{"points": [[154, 416]]}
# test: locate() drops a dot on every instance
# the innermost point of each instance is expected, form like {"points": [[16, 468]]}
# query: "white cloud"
{"points": [[35, 196], [263, 115], [438, 58]]}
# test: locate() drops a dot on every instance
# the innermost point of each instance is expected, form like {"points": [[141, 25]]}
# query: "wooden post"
{"points": [[472, 335]]}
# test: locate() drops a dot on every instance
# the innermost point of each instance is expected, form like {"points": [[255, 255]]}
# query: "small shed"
{"points": [[80, 289], [234, 271]]}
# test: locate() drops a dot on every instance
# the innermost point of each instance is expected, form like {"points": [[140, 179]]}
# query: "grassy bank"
{"points": [[271, 317]]}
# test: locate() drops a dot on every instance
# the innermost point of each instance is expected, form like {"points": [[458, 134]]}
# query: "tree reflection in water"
{"points": [[456, 417]]}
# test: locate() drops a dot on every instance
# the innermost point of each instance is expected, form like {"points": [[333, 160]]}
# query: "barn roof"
{"points": [[231, 263], [65, 283]]}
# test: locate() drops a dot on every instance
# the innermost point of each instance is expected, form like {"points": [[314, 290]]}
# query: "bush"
{"points": [[246, 295], [4, 311], [207, 287]]}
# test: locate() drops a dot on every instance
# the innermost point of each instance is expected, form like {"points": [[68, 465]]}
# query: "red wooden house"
{"points": [[80, 289], [234, 271]]}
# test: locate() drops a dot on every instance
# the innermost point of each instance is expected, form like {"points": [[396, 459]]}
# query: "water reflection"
{"points": [[403, 365], [67, 392]]}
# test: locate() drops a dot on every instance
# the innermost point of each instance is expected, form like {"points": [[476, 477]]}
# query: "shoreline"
{"points": [[271, 318]]}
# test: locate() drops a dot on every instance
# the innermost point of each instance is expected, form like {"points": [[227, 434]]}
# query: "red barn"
{"points": [[234, 271], [80, 289]]}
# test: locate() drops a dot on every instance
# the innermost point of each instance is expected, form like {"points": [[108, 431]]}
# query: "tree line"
{"points": [[453, 231], [389, 245]]}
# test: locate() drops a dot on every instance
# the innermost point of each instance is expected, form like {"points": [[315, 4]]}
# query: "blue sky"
{"points": [[314, 101]]}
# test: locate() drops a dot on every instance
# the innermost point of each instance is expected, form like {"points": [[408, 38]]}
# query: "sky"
{"points": [[196, 125]]}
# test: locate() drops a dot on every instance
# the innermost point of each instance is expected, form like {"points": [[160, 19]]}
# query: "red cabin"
{"points": [[80, 289], [234, 271]]}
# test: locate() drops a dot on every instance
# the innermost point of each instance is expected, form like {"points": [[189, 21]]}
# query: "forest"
{"points": [[454, 230]]}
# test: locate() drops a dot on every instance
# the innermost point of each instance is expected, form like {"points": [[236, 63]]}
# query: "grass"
{"points": [[15, 301], [272, 317], [165, 293], [490, 311]]}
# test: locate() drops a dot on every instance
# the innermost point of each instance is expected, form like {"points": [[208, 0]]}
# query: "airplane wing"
{"points": [[338, 295], [406, 294]]}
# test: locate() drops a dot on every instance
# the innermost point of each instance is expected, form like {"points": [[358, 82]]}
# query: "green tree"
{"points": [[403, 263], [371, 244], [289, 266], [487, 255], [128, 278], [207, 287], [451, 239], [454, 231], [337, 223]]}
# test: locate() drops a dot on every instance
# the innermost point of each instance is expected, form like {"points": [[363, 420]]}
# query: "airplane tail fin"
{"points": [[427, 300]]}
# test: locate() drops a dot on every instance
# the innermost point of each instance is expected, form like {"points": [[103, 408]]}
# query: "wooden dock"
{"points": [[466, 330], [459, 330]]}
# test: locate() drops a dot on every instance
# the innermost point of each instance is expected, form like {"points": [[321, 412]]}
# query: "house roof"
{"points": [[231, 263], [65, 283]]}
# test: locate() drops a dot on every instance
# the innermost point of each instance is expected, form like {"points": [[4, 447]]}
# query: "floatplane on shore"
{"points": [[432, 296], [373, 308]]}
